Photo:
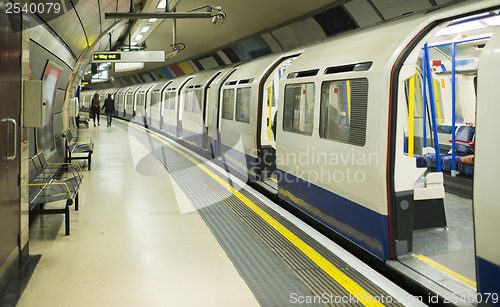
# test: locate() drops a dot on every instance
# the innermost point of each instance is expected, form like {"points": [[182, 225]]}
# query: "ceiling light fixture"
{"points": [[152, 19], [162, 4], [493, 21], [460, 28], [145, 29]]}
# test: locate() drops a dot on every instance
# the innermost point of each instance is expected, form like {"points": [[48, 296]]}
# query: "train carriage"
{"points": [[194, 126], [120, 101], [142, 97], [130, 102], [154, 109], [172, 108], [212, 119]]}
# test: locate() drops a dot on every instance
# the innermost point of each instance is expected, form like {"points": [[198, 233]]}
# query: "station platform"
{"points": [[159, 225]]}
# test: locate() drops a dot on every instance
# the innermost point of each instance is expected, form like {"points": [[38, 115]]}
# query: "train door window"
{"points": [[299, 108], [155, 98], [170, 101], [140, 99], [197, 107], [243, 96], [344, 110], [228, 104], [188, 101], [129, 98]]}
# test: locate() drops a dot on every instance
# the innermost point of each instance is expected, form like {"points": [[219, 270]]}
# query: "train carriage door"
{"points": [[268, 108], [147, 106], [432, 214], [486, 170], [180, 106]]}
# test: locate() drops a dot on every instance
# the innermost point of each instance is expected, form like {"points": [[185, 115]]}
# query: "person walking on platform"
{"points": [[96, 108], [109, 109]]}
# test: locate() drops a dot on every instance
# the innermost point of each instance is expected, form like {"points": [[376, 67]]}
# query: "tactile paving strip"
{"points": [[269, 279], [267, 268]]}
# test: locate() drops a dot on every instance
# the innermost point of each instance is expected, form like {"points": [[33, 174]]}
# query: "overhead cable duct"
{"points": [[213, 12]]}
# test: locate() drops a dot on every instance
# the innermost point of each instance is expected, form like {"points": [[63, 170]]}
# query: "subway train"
{"points": [[365, 132]]}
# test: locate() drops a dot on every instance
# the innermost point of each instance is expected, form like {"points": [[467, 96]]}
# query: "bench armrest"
{"points": [[60, 187]]}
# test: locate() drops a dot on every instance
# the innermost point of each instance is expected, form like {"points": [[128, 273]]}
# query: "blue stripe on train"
{"points": [[247, 166], [488, 280], [192, 137], [169, 128], [363, 226]]}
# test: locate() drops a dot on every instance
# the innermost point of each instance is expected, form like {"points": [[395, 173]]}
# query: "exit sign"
{"points": [[105, 57], [128, 57]]}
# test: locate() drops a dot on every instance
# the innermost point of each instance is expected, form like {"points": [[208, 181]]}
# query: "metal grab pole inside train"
{"points": [[453, 102], [433, 111], [424, 96]]}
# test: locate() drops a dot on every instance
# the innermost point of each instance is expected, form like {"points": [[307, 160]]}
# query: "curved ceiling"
{"points": [[281, 24]]}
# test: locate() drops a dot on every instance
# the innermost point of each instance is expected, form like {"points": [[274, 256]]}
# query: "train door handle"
{"points": [[13, 121]]}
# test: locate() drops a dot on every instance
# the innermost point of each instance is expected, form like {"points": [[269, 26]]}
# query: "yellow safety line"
{"points": [[347, 283], [411, 107], [447, 270], [437, 102], [55, 183], [348, 85]]}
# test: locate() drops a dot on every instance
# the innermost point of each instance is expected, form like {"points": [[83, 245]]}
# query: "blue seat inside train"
{"points": [[464, 134]]}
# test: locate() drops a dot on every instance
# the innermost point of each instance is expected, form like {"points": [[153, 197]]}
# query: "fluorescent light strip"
{"points": [[138, 37], [152, 19], [492, 21], [162, 4], [462, 27]]}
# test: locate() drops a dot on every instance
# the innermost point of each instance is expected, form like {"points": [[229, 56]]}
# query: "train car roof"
{"points": [[384, 41]]}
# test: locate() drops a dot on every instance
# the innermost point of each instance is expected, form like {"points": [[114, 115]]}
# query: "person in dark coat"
{"points": [[95, 108], [109, 108]]}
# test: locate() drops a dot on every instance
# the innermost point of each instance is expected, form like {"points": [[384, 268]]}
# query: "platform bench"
{"points": [[52, 182], [78, 145]]}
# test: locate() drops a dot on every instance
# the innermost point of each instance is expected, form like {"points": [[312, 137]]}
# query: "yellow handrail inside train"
{"points": [[348, 85], [438, 109], [270, 110], [411, 107]]}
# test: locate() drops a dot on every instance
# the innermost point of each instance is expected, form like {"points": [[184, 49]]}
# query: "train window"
{"points": [[301, 74], [192, 101], [140, 99], [344, 110], [245, 81], [129, 99], [170, 101], [347, 68], [299, 108], [197, 101], [228, 104], [188, 101], [243, 96], [155, 98]]}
